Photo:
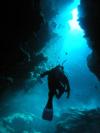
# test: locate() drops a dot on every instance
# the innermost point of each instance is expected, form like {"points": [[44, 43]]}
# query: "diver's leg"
{"points": [[48, 110], [49, 104]]}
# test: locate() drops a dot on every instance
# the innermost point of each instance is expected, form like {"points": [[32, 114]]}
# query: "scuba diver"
{"points": [[58, 84]]}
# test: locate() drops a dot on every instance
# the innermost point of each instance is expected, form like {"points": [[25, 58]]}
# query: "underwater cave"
{"points": [[38, 35]]}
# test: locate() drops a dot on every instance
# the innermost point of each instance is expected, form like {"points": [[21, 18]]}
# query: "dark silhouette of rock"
{"points": [[90, 22], [23, 20]]}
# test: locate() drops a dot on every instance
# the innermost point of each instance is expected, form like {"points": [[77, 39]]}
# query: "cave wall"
{"points": [[20, 21], [90, 22]]}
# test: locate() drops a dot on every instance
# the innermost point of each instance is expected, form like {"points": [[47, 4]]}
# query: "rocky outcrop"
{"points": [[76, 121], [19, 122], [90, 22], [18, 51]]}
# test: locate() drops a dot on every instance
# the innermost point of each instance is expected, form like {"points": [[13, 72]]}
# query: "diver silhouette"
{"points": [[58, 84]]}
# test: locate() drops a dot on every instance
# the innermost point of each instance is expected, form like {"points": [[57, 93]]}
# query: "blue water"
{"points": [[70, 45]]}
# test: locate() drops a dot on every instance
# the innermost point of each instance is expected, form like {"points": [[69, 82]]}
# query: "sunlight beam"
{"points": [[73, 23]]}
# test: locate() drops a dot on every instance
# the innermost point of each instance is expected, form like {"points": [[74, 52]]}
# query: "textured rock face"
{"points": [[20, 23], [77, 121], [90, 22], [17, 123], [73, 121]]}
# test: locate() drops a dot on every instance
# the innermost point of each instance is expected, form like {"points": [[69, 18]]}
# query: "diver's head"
{"points": [[61, 67]]}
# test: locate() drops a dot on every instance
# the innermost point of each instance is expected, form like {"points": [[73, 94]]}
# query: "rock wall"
{"points": [[90, 22]]}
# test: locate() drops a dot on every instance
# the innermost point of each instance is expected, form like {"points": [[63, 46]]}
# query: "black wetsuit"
{"points": [[57, 83]]}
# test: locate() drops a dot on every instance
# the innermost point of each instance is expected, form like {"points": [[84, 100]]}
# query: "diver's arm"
{"points": [[67, 87], [68, 90], [44, 74]]}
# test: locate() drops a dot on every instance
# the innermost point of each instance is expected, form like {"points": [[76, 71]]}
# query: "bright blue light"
{"points": [[74, 25]]}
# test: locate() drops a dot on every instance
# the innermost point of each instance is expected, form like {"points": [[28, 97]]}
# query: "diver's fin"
{"points": [[47, 114]]}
